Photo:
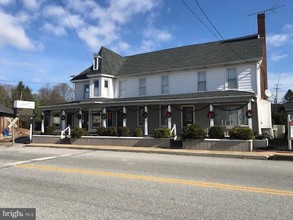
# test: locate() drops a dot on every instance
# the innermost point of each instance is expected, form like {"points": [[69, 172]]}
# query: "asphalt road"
{"points": [[82, 184]]}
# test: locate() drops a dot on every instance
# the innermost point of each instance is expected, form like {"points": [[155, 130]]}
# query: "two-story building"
{"points": [[216, 83]]}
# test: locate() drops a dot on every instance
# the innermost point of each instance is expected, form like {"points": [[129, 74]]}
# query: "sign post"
{"points": [[12, 125], [290, 132], [26, 108]]}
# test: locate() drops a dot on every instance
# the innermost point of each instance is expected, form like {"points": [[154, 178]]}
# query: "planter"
{"points": [[107, 141], [263, 143], [219, 145]]}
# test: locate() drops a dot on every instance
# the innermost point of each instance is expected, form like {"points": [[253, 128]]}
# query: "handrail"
{"points": [[63, 132], [173, 132]]}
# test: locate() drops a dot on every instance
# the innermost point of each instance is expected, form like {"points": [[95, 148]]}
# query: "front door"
{"points": [[85, 120], [187, 115]]}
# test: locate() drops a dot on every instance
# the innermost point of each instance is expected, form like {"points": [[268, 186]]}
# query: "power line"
{"points": [[270, 9], [209, 19], [75, 31], [52, 83], [190, 9]]}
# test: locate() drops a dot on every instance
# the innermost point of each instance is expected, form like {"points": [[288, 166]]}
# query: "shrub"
{"points": [[78, 132], [241, 133], [111, 131], [193, 131], [123, 131], [101, 131], [216, 132], [138, 132], [162, 132], [49, 130]]}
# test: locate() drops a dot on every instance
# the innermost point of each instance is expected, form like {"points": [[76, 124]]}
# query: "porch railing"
{"points": [[173, 132], [63, 132]]}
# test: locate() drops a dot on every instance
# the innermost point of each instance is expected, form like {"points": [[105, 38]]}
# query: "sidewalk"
{"points": [[260, 155]]}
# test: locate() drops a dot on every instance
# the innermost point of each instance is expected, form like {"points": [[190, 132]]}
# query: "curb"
{"points": [[244, 155]]}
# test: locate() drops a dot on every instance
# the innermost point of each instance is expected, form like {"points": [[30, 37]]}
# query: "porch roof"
{"points": [[214, 97]]}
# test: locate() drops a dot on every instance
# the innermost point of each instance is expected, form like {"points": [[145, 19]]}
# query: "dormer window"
{"points": [[97, 60]]}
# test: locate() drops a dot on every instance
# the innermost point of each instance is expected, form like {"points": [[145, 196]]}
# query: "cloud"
{"points": [[278, 57], [6, 2], [13, 33], [31, 4], [277, 40]]}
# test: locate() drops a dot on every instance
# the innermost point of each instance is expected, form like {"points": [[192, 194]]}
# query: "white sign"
{"points": [[24, 104], [13, 122]]}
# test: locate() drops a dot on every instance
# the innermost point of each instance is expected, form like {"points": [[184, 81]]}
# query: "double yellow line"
{"points": [[158, 179]]}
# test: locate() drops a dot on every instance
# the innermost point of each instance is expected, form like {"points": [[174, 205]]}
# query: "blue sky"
{"points": [[39, 46]]}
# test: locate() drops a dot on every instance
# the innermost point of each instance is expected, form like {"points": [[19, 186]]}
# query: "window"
{"points": [[231, 115], [106, 84], [96, 88], [96, 62], [142, 87], [95, 119], [140, 117], [165, 85], [86, 91], [122, 89], [56, 121], [201, 81], [163, 118], [232, 78]]}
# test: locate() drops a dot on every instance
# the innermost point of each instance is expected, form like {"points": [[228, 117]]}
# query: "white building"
{"points": [[216, 83]]}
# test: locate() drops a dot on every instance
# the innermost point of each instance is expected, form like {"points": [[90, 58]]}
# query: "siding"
{"points": [[182, 82], [79, 90]]}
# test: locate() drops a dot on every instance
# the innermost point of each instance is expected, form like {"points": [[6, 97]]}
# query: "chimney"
{"points": [[261, 23]]}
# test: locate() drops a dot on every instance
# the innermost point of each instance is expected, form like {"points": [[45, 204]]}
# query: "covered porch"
{"points": [[224, 108]]}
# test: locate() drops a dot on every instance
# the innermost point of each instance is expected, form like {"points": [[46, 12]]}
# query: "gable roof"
{"points": [[244, 49]]}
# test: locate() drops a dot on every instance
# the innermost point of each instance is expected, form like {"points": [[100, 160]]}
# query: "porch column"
{"points": [[104, 117], [146, 132], [249, 119], [124, 118], [212, 120], [289, 133], [169, 119], [80, 119], [63, 121], [43, 123]]}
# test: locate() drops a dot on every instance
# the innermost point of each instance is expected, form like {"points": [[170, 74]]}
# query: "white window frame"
{"points": [[106, 84], [122, 88], [200, 81], [97, 89], [142, 87], [236, 78], [164, 85], [86, 90]]}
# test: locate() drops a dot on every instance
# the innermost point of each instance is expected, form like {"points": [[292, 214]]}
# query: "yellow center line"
{"points": [[158, 179]]}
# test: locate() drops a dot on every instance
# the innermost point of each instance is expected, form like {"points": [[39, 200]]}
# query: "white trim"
{"points": [[237, 78]]}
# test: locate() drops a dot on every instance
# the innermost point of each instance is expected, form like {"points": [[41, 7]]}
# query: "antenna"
{"points": [[269, 9]]}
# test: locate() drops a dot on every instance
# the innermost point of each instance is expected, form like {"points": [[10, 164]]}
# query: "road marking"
{"points": [[40, 159], [158, 179]]}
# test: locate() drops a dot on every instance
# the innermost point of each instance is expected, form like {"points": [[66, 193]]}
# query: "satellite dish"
{"points": [[268, 93]]}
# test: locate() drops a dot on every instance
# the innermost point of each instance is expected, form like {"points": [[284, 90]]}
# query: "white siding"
{"points": [[79, 90], [247, 78], [180, 82]]}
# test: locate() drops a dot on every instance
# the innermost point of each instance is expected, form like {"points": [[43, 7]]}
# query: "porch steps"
{"points": [[65, 140], [176, 144]]}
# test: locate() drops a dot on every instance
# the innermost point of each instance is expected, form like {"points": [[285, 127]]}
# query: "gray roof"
{"points": [[215, 97], [4, 111], [242, 49]]}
